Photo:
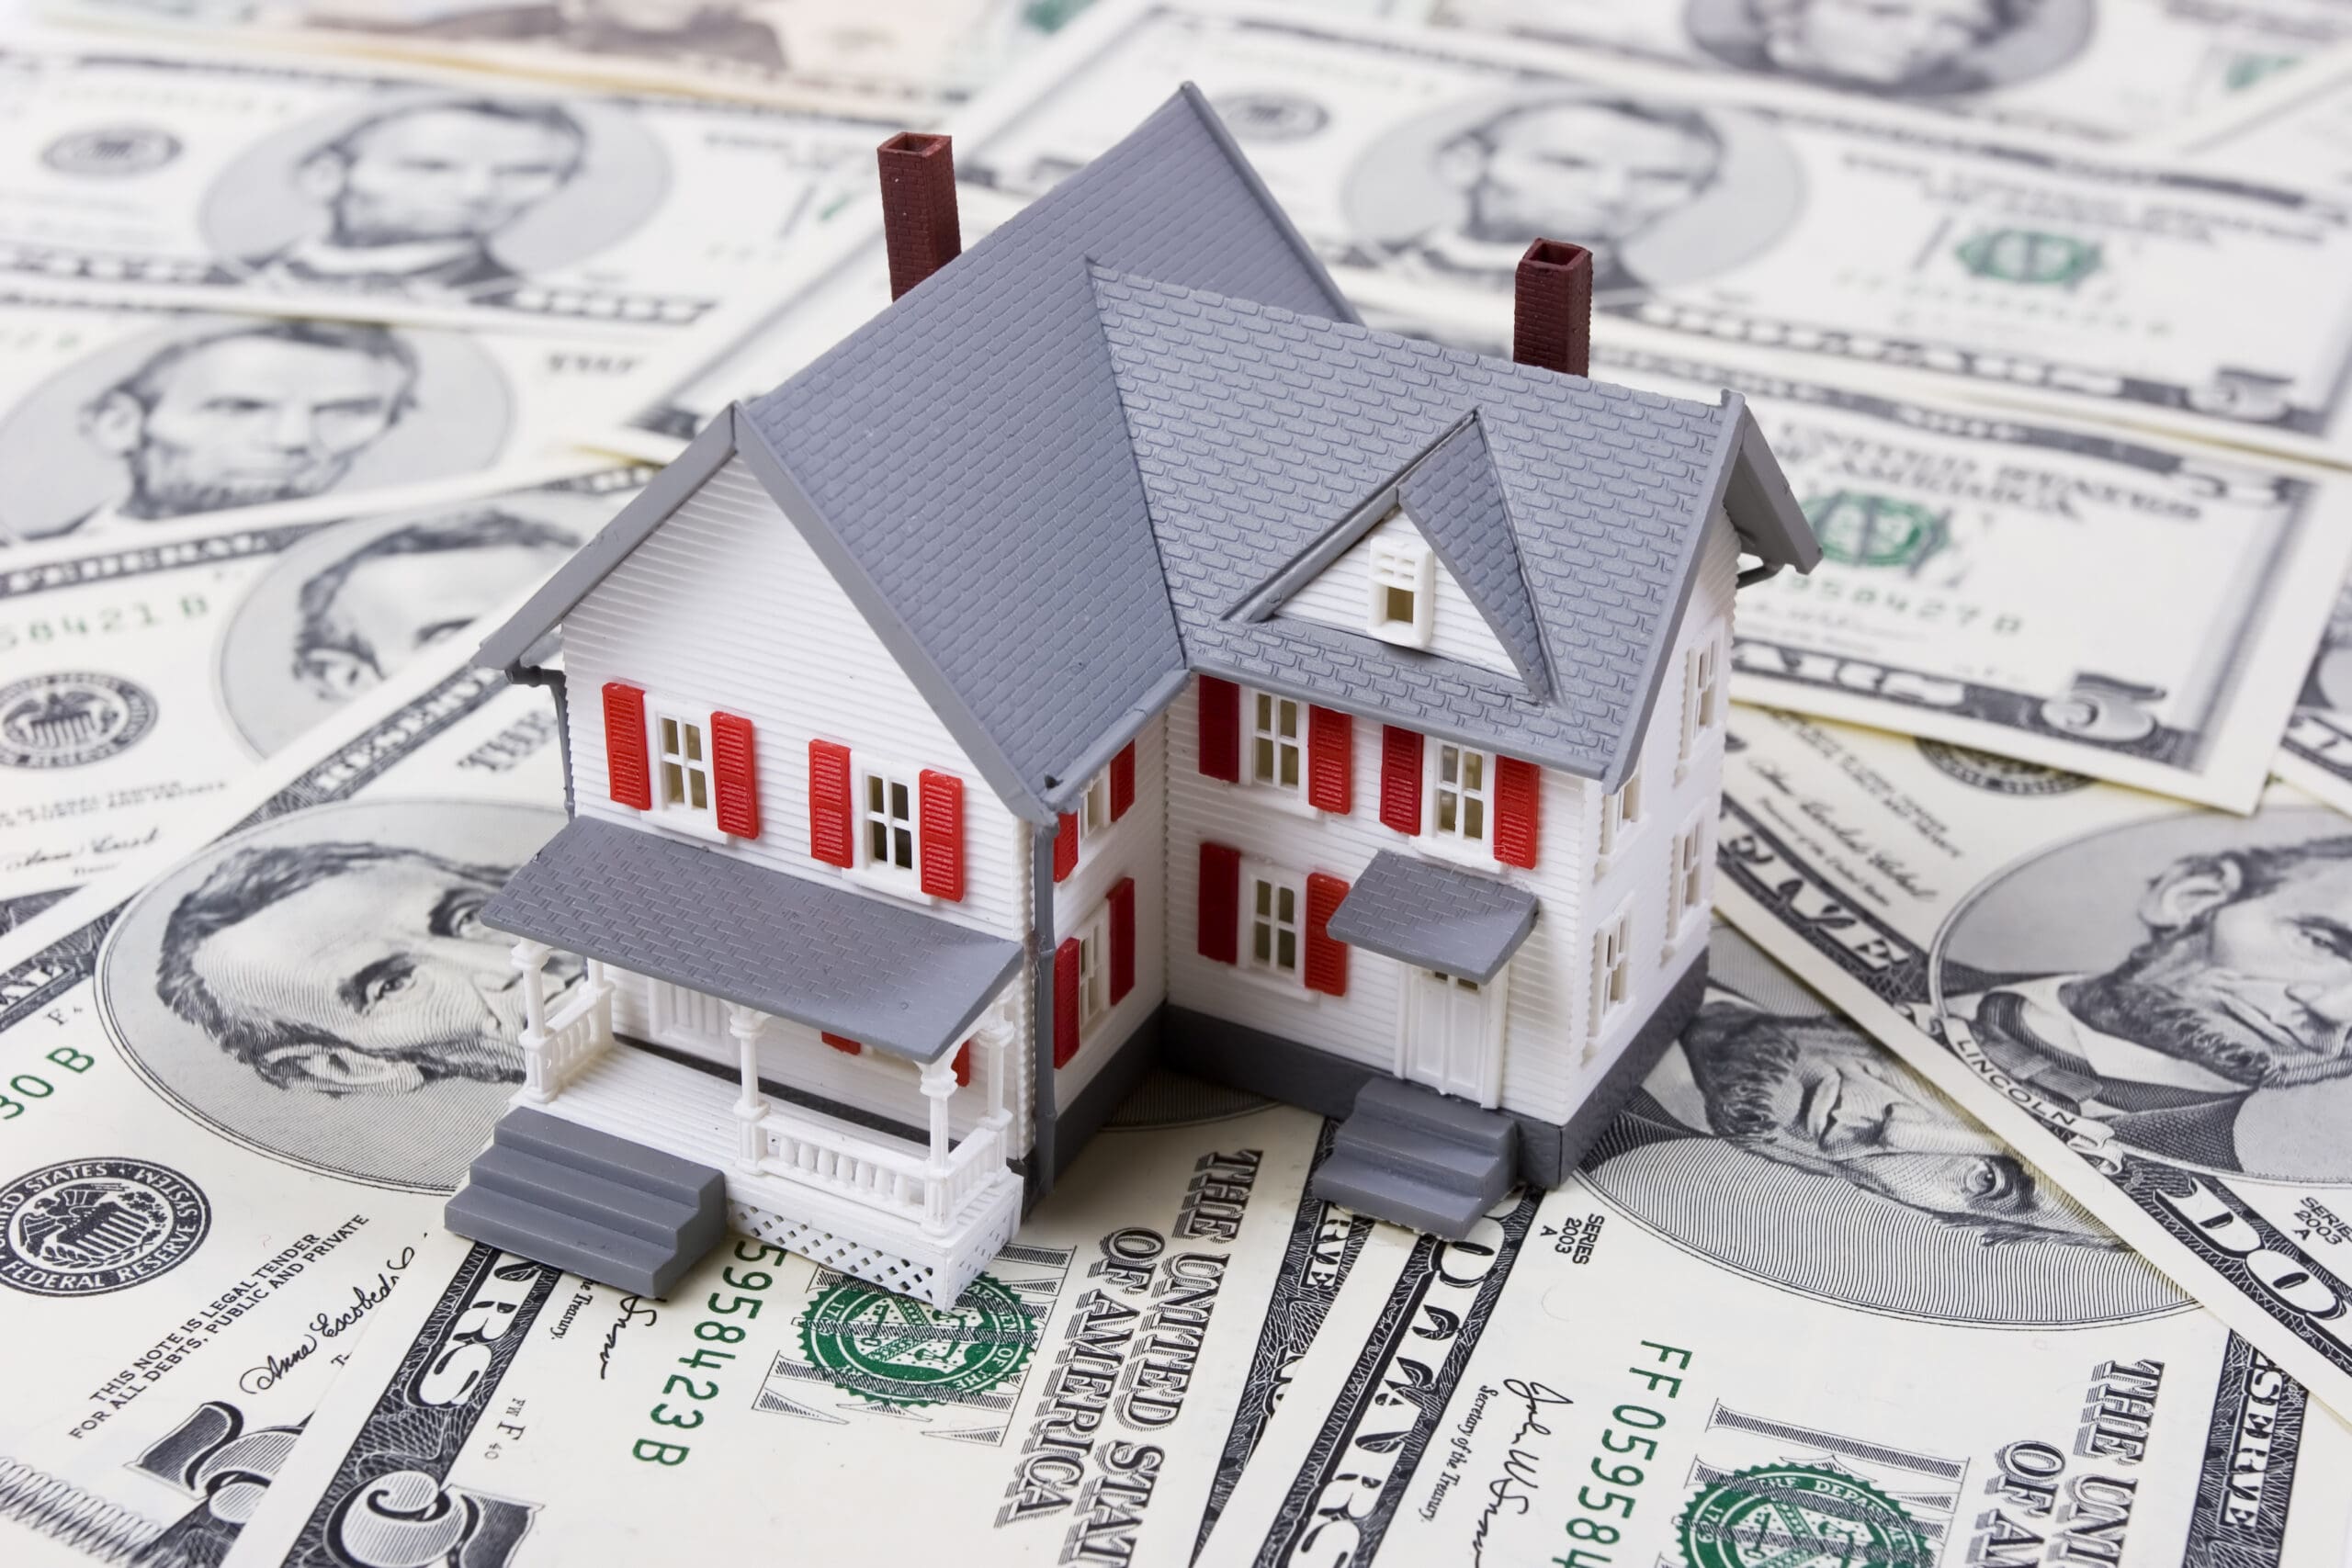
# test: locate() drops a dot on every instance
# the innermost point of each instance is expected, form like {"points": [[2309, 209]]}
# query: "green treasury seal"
{"points": [[1799, 1516], [894, 1349]]}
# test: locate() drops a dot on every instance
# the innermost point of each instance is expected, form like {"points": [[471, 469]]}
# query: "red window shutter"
{"points": [[941, 830], [1326, 959], [963, 1065], [840, 1042], [1331, 759], [1220, 903], [1065, 846], [734, 761], [1122, 781], [1220, 730], [1400, 778], [1123, 937], [1065, 1002], [831, 835], [1519, 794], [632, 779]]}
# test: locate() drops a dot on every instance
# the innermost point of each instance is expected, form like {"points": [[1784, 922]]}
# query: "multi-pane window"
{"points": [[1460, 806], [1612, 976], [1403, 601], [1703, 695], [1093, 973], [1620, 812], [887, 805], [1687, 883], [1277, 742], [684, 766], [1271, 916]]}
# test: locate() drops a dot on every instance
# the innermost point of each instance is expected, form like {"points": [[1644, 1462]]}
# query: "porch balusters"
{"points": [[530, 958], [751, 1111], [938, 1083]]}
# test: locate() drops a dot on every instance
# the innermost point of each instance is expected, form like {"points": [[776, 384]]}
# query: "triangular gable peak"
{"points": [[1427, 562]]}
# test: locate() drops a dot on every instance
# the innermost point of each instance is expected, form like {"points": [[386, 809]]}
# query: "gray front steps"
{"points": [[571, 1197], [1420, 1158]]}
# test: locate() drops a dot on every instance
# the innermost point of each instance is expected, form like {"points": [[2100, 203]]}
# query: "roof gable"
{"points": [[1257, 430]]}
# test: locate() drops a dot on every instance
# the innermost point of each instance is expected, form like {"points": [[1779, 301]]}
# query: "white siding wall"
{"points": [[725, 607], [1341, 594], [1549, 1055], [1679, 794], [1131, 847]]}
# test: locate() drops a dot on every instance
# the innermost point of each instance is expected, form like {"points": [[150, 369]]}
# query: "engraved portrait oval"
{"points": [[2182, 984], [1776, 1140], [319, 988], [1662, 192], [344, 609], [1902, 49], [434, 195], [200, 413]]}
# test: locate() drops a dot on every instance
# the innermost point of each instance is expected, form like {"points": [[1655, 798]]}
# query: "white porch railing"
{"points": [[557, 1044], [902, 1181]]}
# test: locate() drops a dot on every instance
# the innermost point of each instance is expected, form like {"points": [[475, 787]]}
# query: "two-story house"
{"points": [[1114, 652]]}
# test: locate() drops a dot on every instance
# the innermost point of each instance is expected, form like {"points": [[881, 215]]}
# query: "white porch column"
{"points": [[938, 1083], [743, 1023], [530, 958], [996, 1034]]}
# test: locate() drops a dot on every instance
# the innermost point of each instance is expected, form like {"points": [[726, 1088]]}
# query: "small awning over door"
{"points": [[1439, 917]]}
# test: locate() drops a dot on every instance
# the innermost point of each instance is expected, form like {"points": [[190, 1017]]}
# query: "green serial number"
{"points": [[714, 1331], [1628, 1433]]}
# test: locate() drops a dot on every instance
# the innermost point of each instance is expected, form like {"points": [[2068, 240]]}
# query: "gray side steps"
{"points": [[569, 1196], [1420, 1158]]}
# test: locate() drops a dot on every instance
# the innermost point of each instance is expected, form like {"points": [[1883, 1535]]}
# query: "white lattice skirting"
{"points": [[937, 1282]]}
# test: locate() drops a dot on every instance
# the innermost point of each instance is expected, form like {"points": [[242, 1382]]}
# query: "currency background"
{"points": [[2046, 306]]}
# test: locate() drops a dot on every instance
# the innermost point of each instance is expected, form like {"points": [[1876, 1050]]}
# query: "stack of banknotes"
{"points": [[332, 326]]}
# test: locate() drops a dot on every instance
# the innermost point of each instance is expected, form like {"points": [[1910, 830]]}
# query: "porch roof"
{"points": [[888, 976], [1419, 912]]}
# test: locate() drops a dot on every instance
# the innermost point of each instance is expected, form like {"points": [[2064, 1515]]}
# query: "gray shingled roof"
{"points": [[1258, 429], [827, 957], [966, 446], [1419, 912]]}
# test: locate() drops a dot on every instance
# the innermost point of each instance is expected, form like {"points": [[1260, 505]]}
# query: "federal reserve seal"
{"points": [[1997, 774], [70, 718], [894, 1349], [82, 1227], [1862, 528], [1799, 1516]]}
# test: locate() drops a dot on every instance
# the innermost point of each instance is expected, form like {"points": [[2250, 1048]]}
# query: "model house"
{"points": [[1114, 653]]}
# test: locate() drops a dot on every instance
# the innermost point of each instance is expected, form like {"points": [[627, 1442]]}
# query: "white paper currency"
{"points": [[145, 672], [2152, 1003], [2108, 69], [115, 420], [2297, 127], [230, 1097], [273, 183], [1418, 165], [910, 57], [1074, 1404], [2315, 754]]}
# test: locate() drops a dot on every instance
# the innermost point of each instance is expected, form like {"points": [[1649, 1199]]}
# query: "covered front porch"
{"points": [[919, 1215]]}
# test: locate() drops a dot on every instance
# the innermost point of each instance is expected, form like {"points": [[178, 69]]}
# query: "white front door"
{"points": [[687, 1017], [1452, 1035]]}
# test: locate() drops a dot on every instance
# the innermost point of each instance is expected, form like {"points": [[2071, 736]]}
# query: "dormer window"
{"points": [[1404, 598]]}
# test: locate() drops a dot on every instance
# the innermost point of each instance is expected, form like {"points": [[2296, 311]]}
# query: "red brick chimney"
{"points": [[1551, 312], [919, 225]]}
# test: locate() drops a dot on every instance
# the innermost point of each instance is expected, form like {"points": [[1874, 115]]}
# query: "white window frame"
{"points": [[1613, 970], [1094, 971], [662, 717], [1267, 731], [1280, 879], [1094, 809], [1686, 879], [1622, 813], [886, 874], [1702, 683], [1401, 565], [1455, 840]]}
